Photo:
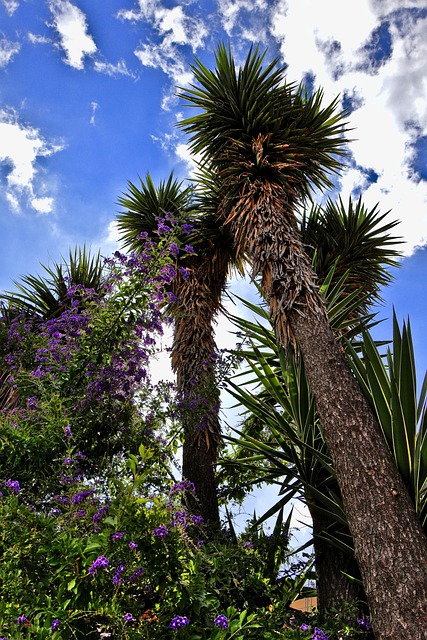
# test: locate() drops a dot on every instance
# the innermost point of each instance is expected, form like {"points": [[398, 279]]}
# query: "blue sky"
{"points": [[87, 103]]}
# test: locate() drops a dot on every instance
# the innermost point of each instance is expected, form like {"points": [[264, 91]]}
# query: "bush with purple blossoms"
{"points": [[96, 543]]}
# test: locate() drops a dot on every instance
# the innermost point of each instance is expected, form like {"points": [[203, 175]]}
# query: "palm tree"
{"points": [[198, 289], [46, 296], [271, 144], [352, 251]]}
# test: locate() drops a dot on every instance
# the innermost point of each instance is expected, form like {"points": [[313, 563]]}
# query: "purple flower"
{"points": [[55, 624], [187, 228], [248, 545], [117, 579], [365, 623], [82, 495], [162, 228], [117, 535], [178, 621], [318, 634], [136, 574], [189, 248], [172, 297], [14, 485], [184, 273], [184, 485], [304, 627], [197, 520], [132, 545], [161, 532], [221, 621], [22, 620], [67, 432], [174, 249], [100, 563], [128, 617], [81, 513], [100, 514], [179, 518]]}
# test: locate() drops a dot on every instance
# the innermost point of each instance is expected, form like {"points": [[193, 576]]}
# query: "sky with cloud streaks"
{"points": [[87, 102]]}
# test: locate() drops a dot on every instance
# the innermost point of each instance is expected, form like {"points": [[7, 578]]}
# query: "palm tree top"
{"points": [[352, 240], [46, 296], [144, 204], [251, 122]]}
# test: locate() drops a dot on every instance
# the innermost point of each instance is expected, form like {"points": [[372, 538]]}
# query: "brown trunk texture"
{"points": [[390, 546], [193, 360], [198, 466], [333, 586]]}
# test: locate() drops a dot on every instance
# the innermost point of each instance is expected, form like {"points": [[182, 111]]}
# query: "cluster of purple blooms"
{"points": [[184, 485], [126, 368], [117, 578], [365, 623], [221, 621], [161, 532], [13, 485], [318, 634], [100, 563], [178, 622], [55, 624]]}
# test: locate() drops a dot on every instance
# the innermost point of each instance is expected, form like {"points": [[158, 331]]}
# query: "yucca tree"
{"points": [[351, 240], [352, 251], [198, 303], [45, 296], [271, 144]]}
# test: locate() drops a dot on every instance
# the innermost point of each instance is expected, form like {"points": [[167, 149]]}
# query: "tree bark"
{"points": [[332, 585], [198, 465], [193, 359], [390, 546]]}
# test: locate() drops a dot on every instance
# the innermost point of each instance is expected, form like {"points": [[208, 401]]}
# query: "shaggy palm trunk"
{"points": [[332, 564], [390, 546], [193, 358]]}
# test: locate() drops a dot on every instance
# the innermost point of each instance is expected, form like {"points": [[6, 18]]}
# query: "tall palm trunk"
{"points": [[333, 565], [193, 360], [390, 546]]}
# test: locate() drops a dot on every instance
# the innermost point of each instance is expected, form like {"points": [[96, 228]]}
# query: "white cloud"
{"points": [[20, 148], [241, 14], [175, 26], [70, 23], [94, 106], [175, 29], [392, 109], [183, 152], [113, 70], [7, 50], [34, 38], [42, 205], [166, 58], [10, 6]]}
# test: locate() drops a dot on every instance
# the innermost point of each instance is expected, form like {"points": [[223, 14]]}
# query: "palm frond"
{"points": [[46, 295], [390, 385], [144, 204]]}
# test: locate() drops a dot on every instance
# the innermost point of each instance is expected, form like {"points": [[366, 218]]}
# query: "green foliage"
{"points": [[157, 565], [81, 370], [390, 385]]}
